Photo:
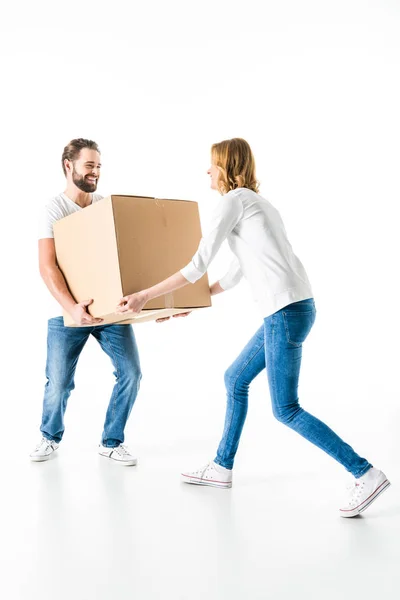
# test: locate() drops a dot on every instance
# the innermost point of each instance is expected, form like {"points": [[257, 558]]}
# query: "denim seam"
{"points": [[296, 345], [247, 363], [363, 471], [226, 437], [234, 388], [53, 327], [117, 370], [273, 328], [298, 312]]}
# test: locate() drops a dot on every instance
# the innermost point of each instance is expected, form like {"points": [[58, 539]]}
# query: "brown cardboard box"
{"points": [[124, 244]]}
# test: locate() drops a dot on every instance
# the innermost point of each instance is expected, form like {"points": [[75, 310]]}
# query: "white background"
{"points": [[314, 87]]}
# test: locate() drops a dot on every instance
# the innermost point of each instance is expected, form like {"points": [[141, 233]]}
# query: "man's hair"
{"points": [[236, 165], [73, 149]]}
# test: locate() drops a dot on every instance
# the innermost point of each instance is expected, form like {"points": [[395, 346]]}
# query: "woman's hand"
{"points": [[132, 303], [215, 289], [162, 319]]}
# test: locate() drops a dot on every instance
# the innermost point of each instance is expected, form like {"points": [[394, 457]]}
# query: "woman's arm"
{"points": [[215, 288], [135, 302], [232, 277], [227, 214]]}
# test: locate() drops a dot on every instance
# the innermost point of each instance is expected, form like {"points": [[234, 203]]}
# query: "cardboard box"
{"points": [[124, 244]]}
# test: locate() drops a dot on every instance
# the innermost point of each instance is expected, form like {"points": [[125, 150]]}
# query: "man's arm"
{"points": [[57, 285]]}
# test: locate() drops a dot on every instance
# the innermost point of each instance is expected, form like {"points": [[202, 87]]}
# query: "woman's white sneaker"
{"points": [[363, 492], [43, 450], [120, 454], [211, 474]]}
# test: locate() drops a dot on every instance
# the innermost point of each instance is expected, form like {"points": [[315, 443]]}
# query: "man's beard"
{"points": [[82, 183]]}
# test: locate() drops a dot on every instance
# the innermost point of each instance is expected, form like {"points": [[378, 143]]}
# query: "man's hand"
{"points": [[184, 314], [81, 316]]}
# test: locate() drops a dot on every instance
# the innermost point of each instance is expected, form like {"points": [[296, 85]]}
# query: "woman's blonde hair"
{"points": [[236, 165]]}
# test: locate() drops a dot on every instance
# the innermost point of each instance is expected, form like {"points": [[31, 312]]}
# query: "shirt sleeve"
{"points": [[47, 217], [233, 275], [226, 216]]}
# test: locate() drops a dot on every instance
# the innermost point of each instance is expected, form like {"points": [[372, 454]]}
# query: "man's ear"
{"points": [[68, 165]]}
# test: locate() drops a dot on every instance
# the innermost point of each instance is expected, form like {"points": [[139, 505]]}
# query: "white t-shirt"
{"points": [[262, 253], [57, 208]]}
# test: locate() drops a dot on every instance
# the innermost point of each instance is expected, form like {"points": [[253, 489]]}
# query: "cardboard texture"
{"points": [[124, 244]]}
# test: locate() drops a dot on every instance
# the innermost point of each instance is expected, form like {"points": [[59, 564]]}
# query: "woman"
{"points": [[263, 254]]}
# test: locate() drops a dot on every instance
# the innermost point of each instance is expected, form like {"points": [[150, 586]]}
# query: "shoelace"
{"points": [[202, 470], [122, 451], [43, 442], [355, 490]]}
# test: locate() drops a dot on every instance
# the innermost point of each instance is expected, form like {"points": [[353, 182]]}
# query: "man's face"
{"points": [[85, 170]]}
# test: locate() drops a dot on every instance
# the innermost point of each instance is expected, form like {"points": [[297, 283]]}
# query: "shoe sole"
{"points": [[199, 481], [40, 458], [123, 463], [367, 503], [44, 457]]}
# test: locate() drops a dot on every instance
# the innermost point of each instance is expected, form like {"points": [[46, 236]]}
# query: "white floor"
{"points": [[80, 527]]}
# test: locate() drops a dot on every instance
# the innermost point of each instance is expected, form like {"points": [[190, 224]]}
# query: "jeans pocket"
{"points": [[298, 325], [56, 321]]}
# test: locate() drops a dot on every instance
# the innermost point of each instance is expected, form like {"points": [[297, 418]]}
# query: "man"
{"points": [[81, 166]]}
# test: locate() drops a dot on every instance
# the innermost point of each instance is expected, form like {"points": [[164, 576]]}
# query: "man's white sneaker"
{"points": [[43, 450], [120, 454], [212, 474], [363, 492]]}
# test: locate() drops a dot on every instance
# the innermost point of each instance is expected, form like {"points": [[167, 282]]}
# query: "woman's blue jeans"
{"points": [[278, 347], [64, 346]]}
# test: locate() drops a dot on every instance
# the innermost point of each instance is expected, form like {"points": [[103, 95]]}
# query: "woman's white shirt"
{"points": [[262, 253]]}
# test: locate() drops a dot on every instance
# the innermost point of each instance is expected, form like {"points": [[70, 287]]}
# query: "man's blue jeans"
{"points": [[278, 347], [64, 346]]}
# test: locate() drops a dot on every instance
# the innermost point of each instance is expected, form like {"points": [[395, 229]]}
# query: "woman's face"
{"points": [[213, 172]]}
